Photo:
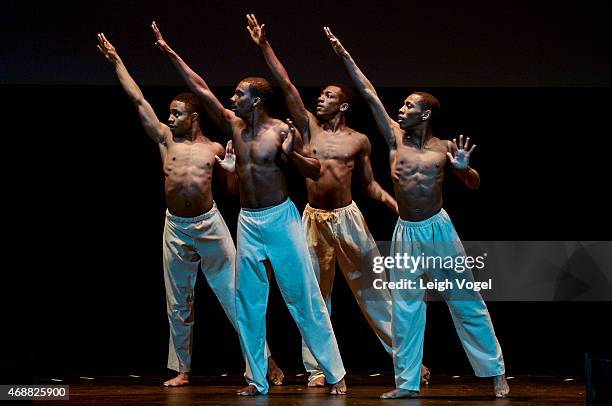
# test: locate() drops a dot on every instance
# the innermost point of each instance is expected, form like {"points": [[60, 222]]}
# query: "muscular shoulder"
{"points": [[447, 145], [218, 149], [362, 140], [360, 137], [442, 145], [277, 124]]}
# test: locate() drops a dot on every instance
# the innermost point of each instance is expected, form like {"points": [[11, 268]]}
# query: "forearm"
{"points": [[276, 67], [127, 83], [194, 81], [386, 126], [376, 192], [309, 167], [362, 83], [290, 93], [232, 182], [469, 177]]}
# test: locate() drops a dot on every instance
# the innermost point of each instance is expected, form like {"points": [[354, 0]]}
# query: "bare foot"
{"points": [[425, 375], [399, 393], [317, 382], [338, 388], [275, 374], [500, 386], [250, 390], [181, 379]]}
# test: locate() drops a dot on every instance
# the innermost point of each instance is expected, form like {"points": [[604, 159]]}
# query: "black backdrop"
{"points": [[94, 243], [84, 189]]}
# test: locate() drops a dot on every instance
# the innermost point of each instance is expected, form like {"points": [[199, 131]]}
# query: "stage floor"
{"points": [[363, 390]]}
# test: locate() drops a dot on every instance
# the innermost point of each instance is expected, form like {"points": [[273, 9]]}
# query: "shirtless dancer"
{"points": [[335, 228], [270, 236], [195, 234], [417, 161]]}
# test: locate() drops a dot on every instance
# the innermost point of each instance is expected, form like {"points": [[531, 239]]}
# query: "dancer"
{"points": [[417, 161], [195, 235], [333, 224], [270, 237]]}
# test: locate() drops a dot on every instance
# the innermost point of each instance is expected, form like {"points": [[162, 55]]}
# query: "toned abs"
{"points": [[188, 169], [417, 175], [337, 153], [261, 182]]}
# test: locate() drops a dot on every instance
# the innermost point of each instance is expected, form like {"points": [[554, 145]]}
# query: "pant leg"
{"points": [[288, 254], [408, 313], [252, 288], [356, 252], [320, 242], [468, 310], [218, 255], [180, 263]]}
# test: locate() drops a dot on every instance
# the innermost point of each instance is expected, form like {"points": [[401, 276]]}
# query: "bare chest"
{"points": [[409, 161], [343, 148], [189, 157], [261, 149]]}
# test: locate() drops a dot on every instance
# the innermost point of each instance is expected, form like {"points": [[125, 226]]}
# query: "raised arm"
{"points": [[221, 116], [372, 187], [386, 125], [299, 153], [459, 158], [156, 130], [300, 115]]}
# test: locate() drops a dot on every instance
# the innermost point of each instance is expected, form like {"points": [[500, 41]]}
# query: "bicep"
{"points": [[385, 123], [387, 126], [298, 112], [222, 117], [153, 127], [365, 166]]}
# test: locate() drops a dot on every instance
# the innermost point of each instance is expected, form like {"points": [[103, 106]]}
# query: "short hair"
{"points": [[428, 102], [192, 103], [259, 87], [346, 93]]}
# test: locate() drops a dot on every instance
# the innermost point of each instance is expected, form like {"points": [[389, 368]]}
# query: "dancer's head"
{"points": [[334, 98], [251, 94], [185, 111], [418, 108]]}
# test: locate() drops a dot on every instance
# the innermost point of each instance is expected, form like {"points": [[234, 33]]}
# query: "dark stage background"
{"points": [[95, 249], [85, 188]]}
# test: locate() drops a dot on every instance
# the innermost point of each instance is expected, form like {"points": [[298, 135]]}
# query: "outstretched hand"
{"points": [[258, 32], [461, 158], [229, 161], [335, 42], [288, 137], [107, 49], [160, 42]]}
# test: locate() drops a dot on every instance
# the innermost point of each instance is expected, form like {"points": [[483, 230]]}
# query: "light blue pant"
{"points": [[275, 235], [436, 236]]}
